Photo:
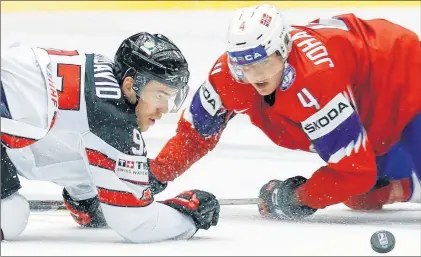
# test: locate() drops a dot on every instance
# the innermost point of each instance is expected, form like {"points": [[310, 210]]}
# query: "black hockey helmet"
{"points": [[147, 57]]}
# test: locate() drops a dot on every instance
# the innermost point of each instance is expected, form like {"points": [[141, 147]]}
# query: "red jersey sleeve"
{"points": [[199, 129], [331, 121]]}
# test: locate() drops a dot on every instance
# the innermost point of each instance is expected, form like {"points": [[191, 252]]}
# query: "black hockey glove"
{"points": [[156, 186], [277, 199], [202, 206], [86, 213]]}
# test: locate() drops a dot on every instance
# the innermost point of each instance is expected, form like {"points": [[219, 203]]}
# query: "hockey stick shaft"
{"points": [[37, 205]]}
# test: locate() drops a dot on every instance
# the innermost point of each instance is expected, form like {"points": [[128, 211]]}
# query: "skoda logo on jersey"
{"points": [[288, 77], [248, 56]]}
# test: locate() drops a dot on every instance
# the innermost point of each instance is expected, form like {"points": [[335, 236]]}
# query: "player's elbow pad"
{"points": [[14, 215]]}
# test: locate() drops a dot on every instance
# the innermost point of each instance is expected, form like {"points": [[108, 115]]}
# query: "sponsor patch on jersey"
{"points": [[210, 100], [328, 118], [132, 168], [288, 78], [336, 130]]}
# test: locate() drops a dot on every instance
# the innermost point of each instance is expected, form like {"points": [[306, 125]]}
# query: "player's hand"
{"points": [[277, 199], [155, 185], [202, 206], [86, 213]]}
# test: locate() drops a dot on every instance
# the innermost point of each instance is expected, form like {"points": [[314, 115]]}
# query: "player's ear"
{"points": [[128, 91]]}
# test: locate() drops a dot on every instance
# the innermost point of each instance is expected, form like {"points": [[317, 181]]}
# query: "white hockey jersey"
{"points": [[64, 120]]}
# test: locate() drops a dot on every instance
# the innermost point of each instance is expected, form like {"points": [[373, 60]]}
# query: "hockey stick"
{"points": [[38, 205]]}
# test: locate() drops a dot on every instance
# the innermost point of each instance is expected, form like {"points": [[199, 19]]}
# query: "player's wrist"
{"points": [[155, 185]]}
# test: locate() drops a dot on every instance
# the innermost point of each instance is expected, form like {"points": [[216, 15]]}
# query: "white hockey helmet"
{"points": [[254, 34]]}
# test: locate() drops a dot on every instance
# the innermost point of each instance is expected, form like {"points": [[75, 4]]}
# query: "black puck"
{"points": [[382, 241]]}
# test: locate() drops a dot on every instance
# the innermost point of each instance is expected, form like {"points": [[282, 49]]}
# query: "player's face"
{"points": [[265, 76], [153, 103]]}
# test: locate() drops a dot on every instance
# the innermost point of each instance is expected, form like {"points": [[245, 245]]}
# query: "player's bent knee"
{"points": [[14, 215], [366, 183], [381, 194], [363, 203]]}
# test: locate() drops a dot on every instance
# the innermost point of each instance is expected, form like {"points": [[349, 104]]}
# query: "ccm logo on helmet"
{"points": [[327, 119], [246, 58]]}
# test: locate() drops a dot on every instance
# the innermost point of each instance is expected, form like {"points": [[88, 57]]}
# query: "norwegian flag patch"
{"points": [[266, 19]]}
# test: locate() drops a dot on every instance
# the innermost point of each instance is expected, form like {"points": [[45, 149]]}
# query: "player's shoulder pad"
{"points": [[110, 117], [206, 112], [219, 74], [232, 94], [209, 98], [219, 65]]}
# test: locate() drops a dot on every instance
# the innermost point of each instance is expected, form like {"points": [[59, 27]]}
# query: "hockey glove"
{"points": [[86, 213], [277, 199], [155, 185], [202, 206]]}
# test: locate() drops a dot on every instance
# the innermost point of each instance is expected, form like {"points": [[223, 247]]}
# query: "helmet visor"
{"points": [[254, 65], [176, 101], [173, 88], [159, 95]]}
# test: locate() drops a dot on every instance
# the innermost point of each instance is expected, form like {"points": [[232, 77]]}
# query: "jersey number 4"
{"points": [[69, 86], [307, 99]]}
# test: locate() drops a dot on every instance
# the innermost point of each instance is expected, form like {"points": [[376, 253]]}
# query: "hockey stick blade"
{"points": [[37, 205]]}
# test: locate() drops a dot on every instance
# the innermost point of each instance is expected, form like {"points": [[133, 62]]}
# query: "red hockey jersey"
{"points": [[349, 89]]}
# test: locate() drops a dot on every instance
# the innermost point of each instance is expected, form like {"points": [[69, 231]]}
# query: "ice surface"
{"points": [[334, 231], [243, 160]]}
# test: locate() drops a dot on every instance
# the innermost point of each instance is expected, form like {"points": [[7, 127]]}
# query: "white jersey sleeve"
{"points": [[30, 97], [122, 182]]}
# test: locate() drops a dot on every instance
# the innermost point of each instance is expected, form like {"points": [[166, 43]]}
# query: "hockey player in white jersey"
{"points": [[76, 119]]}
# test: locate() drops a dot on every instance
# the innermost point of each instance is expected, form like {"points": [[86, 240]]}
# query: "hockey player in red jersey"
{"points": [[76, 119], [346, 88]]}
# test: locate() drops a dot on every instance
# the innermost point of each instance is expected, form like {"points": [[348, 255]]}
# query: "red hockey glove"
{"points": [[277, 199]]}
